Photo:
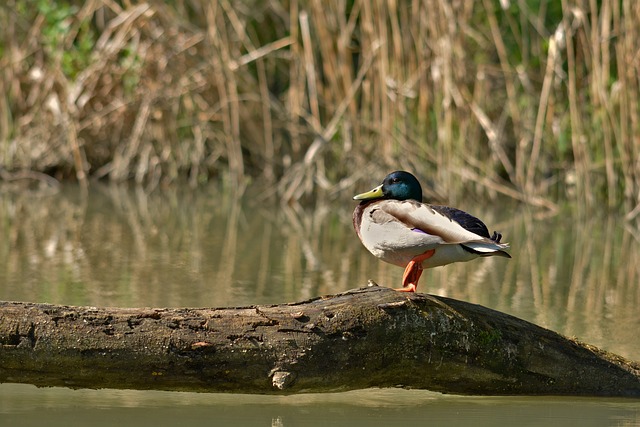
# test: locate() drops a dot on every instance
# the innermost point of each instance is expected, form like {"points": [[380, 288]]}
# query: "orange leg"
{"points": [[413, 271]]}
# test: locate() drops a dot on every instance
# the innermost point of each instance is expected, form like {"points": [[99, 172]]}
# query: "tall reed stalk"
{"points": [[537, 100]]}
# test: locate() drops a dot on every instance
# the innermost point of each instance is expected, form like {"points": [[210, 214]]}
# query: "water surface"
{"points": [[574, 272], [23, 405]]}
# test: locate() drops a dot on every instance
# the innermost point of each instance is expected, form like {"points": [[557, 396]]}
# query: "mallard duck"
{"points": [[395, 226]]}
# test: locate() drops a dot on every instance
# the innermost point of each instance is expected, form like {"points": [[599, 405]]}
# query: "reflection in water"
{"points": [[26, 406], [119, 246]]}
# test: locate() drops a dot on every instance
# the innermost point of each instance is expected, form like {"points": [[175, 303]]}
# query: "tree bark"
{"points": [[369, 337]]}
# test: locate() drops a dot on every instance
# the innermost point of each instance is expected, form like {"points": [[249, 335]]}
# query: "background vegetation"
{"points": [[531, 98]]}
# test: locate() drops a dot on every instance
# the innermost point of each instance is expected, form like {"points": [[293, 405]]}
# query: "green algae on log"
{"points": [[369, 337]]}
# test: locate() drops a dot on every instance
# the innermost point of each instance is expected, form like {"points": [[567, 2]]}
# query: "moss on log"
{"points": [[369, 337]]}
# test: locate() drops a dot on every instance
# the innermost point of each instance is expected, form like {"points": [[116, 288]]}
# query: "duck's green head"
{"points": [[398, 185]]}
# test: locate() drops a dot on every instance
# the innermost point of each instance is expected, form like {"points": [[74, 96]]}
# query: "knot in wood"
{"points": [[282, 379]]}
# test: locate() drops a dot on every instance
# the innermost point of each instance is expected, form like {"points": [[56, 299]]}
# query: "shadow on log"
{"points": [[369, 337]]}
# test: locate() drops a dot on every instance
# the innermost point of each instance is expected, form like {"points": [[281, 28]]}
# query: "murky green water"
{"points": [[574, 273], [27, 406]]}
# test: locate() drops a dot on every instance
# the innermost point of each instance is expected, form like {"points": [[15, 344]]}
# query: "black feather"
{"points": [[467, 221]]}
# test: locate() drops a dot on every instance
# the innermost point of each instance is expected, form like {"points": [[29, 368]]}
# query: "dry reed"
{"points": [[492, 97]]}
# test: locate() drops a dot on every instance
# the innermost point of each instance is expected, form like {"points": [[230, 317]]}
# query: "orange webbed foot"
{"points": [[411, 287]]}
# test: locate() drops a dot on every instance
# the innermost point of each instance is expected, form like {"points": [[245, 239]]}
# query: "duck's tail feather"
{"points": [[486, 248]]}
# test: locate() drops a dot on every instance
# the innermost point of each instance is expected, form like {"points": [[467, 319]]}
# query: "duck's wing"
{"points": [[451, 225], [467, 221], [484, 247]]}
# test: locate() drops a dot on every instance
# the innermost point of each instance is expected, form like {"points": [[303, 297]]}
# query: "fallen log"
{"points": [[369, 337]]}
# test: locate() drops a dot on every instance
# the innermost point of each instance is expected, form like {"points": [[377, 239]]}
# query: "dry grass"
{"points": [[316, 95]]}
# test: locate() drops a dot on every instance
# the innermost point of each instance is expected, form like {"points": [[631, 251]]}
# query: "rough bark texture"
{"points": [[370, 337]]}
